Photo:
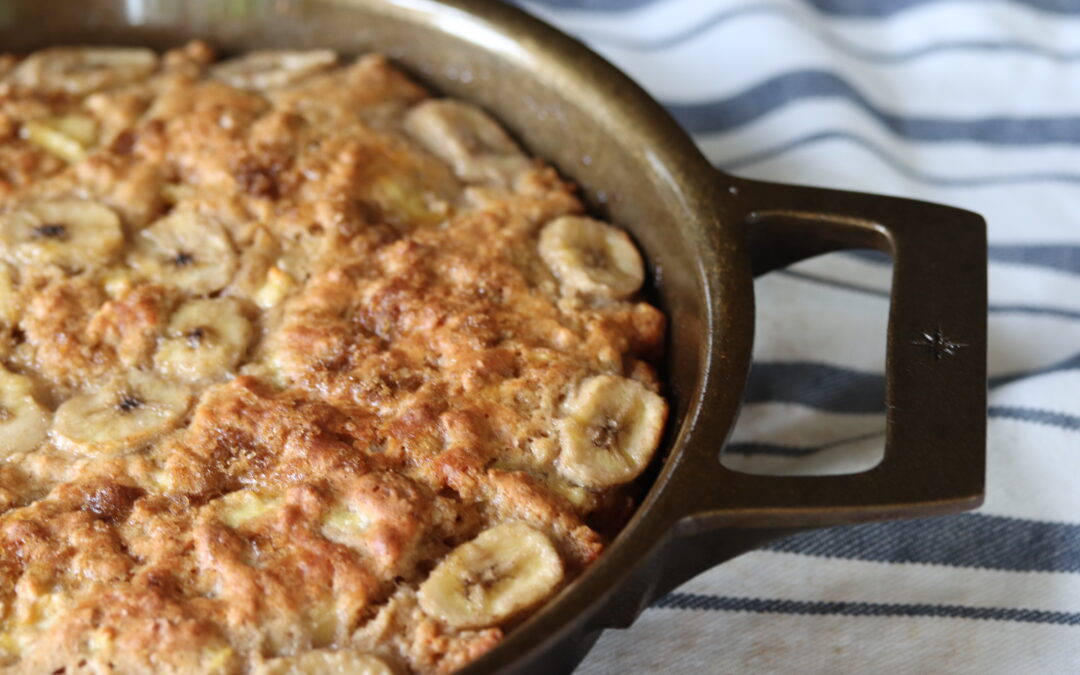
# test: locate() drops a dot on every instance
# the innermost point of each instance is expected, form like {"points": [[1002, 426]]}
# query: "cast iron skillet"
{"points": [[706, 235]]}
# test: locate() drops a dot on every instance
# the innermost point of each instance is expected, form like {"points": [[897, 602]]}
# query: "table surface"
{"points": [[967, 103]]}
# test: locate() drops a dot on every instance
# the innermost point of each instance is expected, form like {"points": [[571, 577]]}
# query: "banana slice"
{"points": [[81, 70], [24, 424], [123, 414], [239, 508], [279, 284], [467, 138], [187, 251], [272, 68], [72, 233], [174, 193], [591, 257], [504, 571], [611, 433], [326, 662], [205, 339], [68, 137]]}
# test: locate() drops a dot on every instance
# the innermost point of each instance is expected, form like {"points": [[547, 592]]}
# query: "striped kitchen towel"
{"points": [[974, 103]]}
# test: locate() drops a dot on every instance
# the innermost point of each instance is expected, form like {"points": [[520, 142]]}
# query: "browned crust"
{"points": [[412, 373]]}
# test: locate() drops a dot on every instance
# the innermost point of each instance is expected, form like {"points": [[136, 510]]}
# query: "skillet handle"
{"points": [[935, 384]]}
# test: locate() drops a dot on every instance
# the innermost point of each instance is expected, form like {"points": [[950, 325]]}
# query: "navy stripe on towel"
{"points": [[1063, 257], [738, 163], [756, 449], [722, 603], [963, 540], [1047, 417], [844, 390], [721, 115], [858, 8], [1038, 310], [817, 385], [883, 8], [799, 18], [592, 5]]}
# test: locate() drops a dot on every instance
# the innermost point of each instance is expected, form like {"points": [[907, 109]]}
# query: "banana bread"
{"points": [[301, 370]]}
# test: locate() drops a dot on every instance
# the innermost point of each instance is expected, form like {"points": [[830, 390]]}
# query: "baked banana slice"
{"points": [[239, 508], [468, 139], [279, 284], [326, 662], [24, 424], [121, 415], [504, 571], [68, 137], [187, 251], [591, 257], [611, 432], [75, 234], [205, 339], [271, 69], [81, 70]]}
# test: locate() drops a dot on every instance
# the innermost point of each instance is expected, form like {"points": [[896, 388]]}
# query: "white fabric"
{"points": [[968, 103]]}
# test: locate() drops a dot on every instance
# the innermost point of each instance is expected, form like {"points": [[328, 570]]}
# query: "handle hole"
{"points": [[815, 401]]}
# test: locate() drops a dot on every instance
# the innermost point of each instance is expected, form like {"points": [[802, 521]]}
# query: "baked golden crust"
{"points": [[277, 338]]}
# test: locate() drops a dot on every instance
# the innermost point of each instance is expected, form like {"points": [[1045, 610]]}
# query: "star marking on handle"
{"points": [[938, 344]]}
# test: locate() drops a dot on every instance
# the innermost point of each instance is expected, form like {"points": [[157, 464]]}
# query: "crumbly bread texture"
{"points": [[303, 371]]}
